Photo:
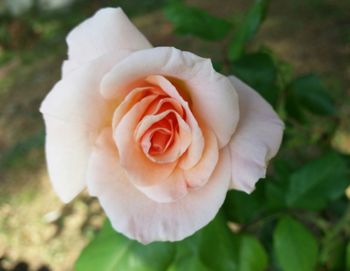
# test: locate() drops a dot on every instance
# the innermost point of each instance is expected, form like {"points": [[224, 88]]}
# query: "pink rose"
{"points": [[156, 134]]}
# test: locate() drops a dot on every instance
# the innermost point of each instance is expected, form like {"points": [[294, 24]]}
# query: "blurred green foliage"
{"points": [[190, 20], [247, 28], [213, 248]]}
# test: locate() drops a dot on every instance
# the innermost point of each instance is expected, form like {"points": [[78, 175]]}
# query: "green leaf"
{"points": [[191, 20], [217, 246], [275, 195], [308, 92], [242, 207], [294, 246], [348, 257], [252, 255], [214, 248], [111, 251], [276, 188], [333, 254], [220, 250], [248, 28], [259, 71], [318, 182]]}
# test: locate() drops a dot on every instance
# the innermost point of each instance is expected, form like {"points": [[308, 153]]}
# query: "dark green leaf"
{"points": [[243, 208], [221, 250], [333, 254], [276, 194], [214, 248], [191, 20], [276, 188], [309, 93], [294, 108], [294, 246], [252, 255], [348, 257], [248, 28], [259, 71], [217, 246], [187, 256], [111, 251], [318, 182]]}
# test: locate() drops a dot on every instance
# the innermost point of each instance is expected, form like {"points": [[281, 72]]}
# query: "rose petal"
{"points": [[68, 146], [195, 150], [182, 138], [68, 66], [130, 100], [200, 173], [138, 217], [108, 31], [171, 189], [76, 97], [213, 97], [166, 104], [139, 168], [74, 112], [256, 140]]}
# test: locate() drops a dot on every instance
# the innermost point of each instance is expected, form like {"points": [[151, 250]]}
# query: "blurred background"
{"points": [[37, 232]]}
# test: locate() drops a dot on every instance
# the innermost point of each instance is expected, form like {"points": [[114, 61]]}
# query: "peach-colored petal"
{"points": [[108, 31], [74, 112], [200, 173], [130, 100], [214, 99], [157, 140], [182, 138], [76, 97], [139, 168], [195, 150], [138, 217], [256, 140], [166, 104], [171, 189]]}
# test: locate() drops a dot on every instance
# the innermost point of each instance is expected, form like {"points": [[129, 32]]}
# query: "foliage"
{"points": [[190, 20], [295, 247], [247, 29], [112, 251]]}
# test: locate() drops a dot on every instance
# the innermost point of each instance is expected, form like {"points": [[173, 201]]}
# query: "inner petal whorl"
{"points": [[161, 129], [163, 137]]}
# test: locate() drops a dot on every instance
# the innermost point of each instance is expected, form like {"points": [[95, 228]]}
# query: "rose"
{"points": [[154, 133]]}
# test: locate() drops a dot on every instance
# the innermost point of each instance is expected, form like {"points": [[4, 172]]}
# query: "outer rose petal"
{"points": [[214, 99], [67, 146], [256, 140], [108, 31], [138, 217], [74, 113], [76, 97]]}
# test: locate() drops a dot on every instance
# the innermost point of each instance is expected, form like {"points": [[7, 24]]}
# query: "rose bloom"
{"points": [[155, 133]]}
